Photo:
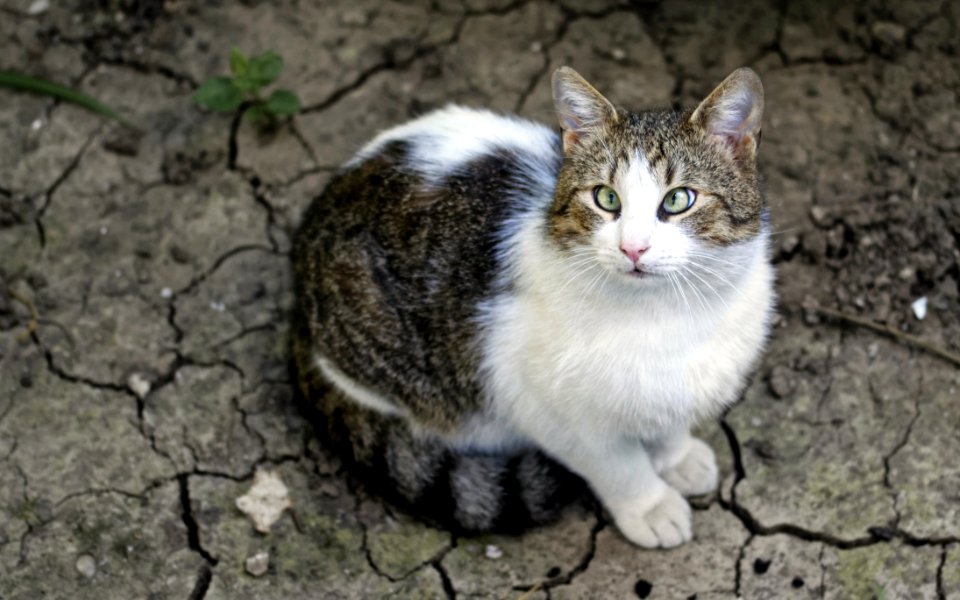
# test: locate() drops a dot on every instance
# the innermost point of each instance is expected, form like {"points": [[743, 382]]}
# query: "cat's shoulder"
{"points": [[439, 142]]}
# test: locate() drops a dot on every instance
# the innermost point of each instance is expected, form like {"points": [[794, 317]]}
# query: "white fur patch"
{"points": [[449, 137], [357, 392]]}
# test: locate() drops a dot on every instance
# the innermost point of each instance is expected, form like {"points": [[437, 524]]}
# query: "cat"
{"points": [[493, 314]]}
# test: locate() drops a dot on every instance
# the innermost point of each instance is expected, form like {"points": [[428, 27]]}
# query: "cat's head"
{"points": [[657, 196]]}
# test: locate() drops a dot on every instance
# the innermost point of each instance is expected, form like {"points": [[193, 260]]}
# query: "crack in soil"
{"points": [[582, 565], [204, 578], [876, 534], [193, 530], [52, 189], [449, 591], [738, 567]]}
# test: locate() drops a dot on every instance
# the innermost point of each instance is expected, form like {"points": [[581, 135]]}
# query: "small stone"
{"points": [[907, 274], [86, 566], [493, 552], [618, 54], [790, 243], [258, 564], [888, 35], [919, 308], [38, 7], [166, 293], [873, 350], [536, 47], [266, 500], [355, 18], [37, 124], [218, 306], [139, 384], [329, 489], [781, 382], [820, 216]]}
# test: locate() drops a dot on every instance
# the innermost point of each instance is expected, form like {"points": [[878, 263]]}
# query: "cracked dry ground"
{"points": [[155, 382]]}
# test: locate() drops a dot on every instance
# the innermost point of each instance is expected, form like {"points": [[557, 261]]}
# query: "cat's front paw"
{"points": [[663, 522], [696, 473]]}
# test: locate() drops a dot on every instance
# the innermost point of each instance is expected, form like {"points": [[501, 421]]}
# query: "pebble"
{"points": [[790, 243], [38, 7], [919, 308], [781, 382], [889, 34], [266, 500], [820, 215], [86, 566], [258, 564], [166, 293], [493, 552], [139, 384]]}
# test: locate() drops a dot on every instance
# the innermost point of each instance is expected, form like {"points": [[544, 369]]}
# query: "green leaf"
{"points": [[283, 102], [255, 113], [265, 68], [239, 64], [219, 94], [36, 85]]}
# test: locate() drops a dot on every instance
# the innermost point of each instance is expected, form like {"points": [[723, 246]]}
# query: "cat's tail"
{"points": [[426, 477]]}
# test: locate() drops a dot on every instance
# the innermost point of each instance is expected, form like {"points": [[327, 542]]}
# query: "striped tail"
{"points": [[463, 492]]}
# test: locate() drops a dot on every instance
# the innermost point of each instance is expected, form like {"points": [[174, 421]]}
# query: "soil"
{"points": [[144, 296]]}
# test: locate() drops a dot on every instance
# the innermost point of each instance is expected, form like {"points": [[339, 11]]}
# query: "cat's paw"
{"points": [[664, 522], [696, 473]]}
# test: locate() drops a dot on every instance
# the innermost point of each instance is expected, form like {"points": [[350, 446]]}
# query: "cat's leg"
{"points": [[687, 463], [648, 511]]}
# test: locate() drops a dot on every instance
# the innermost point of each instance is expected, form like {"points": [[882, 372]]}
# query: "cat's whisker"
{"points": [[710, 287], [586, 292], [716, 259], [724, 280], [700, 298], [676, 284], [704, 303], [573, 277]]}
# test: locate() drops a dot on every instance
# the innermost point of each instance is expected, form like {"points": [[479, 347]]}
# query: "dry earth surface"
{"points": [[156, 382]]}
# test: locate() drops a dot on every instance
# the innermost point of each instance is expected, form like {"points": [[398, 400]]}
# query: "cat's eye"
{"points": [[678, 200], [606, 198]]}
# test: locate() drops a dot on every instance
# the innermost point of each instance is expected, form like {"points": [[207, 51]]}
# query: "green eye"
{"points": [[678, 200], [606, 198]]}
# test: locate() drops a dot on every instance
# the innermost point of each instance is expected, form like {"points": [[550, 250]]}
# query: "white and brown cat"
{"points": [[491, 313]]}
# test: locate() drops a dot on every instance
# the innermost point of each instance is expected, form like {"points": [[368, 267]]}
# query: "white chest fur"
{"points": [[634, 364]]}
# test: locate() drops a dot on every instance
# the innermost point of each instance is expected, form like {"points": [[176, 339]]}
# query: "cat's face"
{"points": [[658, 196]]}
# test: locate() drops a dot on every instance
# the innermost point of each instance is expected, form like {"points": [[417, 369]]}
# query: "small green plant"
{"points": [[250, 76]]}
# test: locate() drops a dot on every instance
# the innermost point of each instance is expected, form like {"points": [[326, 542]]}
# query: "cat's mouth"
{"points": [[638, 273]]}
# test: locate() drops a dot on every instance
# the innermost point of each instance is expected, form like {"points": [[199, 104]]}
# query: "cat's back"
{"points": [[392, 260]]}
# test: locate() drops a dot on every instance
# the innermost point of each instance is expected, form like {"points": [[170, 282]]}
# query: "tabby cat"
{"points": [[492, 313]]}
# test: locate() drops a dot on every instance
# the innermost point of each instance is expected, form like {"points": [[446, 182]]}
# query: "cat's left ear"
{"points": [[581, 109], [732, 114]]}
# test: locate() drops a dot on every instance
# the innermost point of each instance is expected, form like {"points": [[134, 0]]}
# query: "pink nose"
{"points": [[633, 251]]}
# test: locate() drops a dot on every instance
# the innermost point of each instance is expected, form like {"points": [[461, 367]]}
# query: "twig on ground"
{"points": [[898, 335]]}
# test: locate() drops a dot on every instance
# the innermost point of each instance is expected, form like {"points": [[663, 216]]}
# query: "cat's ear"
{"points": [[580, 108], [732, 113]]}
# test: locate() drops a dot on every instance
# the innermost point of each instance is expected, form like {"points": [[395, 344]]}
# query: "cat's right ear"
{"points": [[580, 108]]}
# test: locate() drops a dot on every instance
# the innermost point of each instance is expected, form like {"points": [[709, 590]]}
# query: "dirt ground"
{"points": [[144, 292]]}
